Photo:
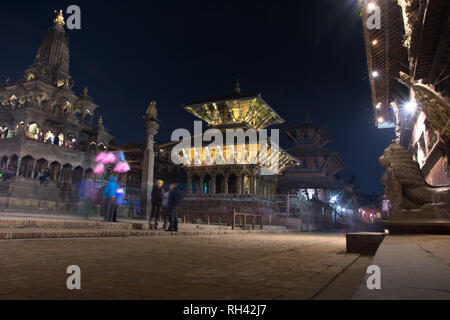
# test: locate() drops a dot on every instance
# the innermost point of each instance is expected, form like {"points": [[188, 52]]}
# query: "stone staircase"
{"points": [[52, 228]]}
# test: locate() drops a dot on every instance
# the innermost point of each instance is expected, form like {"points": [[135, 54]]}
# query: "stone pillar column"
{"points": [[19, 162], [148, 165], [33, 168]]}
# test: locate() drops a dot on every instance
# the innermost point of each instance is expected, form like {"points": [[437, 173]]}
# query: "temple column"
{"points": [[19, 162], [148, 166], [33, 168]]}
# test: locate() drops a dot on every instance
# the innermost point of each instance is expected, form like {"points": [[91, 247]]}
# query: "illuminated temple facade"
{"points": [[44, 124], [241, 168]]}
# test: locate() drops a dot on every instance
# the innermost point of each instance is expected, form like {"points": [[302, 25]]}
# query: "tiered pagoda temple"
{"points": [[243, 174], [316, 174]]}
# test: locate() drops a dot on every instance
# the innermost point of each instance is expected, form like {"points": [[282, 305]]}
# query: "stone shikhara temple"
{"points": [[239, 168], [44, 124]]}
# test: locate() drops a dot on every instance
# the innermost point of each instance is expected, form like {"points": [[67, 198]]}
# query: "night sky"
{"points": [[303, 56]]}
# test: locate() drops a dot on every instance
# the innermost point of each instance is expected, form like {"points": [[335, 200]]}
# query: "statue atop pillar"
{"points": [[151, 129], [152, 112]]}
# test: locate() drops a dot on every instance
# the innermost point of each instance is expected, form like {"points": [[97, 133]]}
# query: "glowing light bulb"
{"points": [[380, 120], [375, 74], [378, 106], [371, 6], [374, 42]]}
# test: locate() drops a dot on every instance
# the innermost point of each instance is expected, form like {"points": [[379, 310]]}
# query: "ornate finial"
{"points": [[308, 118], [59, 18], [8, 80], [100, 121], [237, 87], [85, 90], [152, 112]]}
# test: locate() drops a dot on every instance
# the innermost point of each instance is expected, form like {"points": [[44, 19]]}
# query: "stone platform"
{"points": [[39, 226], [413, 267], [365, 243]]}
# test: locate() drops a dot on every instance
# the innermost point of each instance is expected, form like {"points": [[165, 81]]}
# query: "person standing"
{"points": [[44, 177], [110, 199], [173, 205], [165, 209], [157, 199]]}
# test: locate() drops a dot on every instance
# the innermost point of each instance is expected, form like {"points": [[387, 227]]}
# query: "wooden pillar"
{"points": [[239, 184], [189, 181], [226, 183], [213, 184], [202, 177]]}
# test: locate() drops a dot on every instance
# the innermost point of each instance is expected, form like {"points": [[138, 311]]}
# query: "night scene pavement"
{"points": [[255, 266]]}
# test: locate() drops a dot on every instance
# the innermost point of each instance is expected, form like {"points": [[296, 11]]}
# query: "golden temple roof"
{"points": [[235, 110]]}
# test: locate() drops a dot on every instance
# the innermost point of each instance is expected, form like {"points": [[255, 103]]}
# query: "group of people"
{"points": [[7, 174], [167, 202], [44, 177]]}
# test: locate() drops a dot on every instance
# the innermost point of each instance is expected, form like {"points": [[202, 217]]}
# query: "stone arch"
{"points": [[55, 169], [60, 139], [4, 163], [78, 175], [20, 128], [66, 173], [41, 165], [13, 162], [4, 132], [196, 188], [26, 167], [89, 174], [49, 137], [101, 147], [86, 118], [220, 183], [246, 183], [232, 183], [207, 184], [77, 114], [71, 141], [92, 148], [33, 131]]}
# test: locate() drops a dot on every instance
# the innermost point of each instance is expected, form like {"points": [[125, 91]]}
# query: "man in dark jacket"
{"points": [[173, 205], [157, 200]]}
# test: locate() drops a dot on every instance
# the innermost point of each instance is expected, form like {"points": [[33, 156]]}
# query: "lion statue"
{"points": [[404, 183]]}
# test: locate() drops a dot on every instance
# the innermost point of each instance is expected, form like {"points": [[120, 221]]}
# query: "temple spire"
{"points": [[59, 21], [53, 56]]}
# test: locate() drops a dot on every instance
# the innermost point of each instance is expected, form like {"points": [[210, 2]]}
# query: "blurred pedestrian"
{"points": [[110, 199], [173, 205]]}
